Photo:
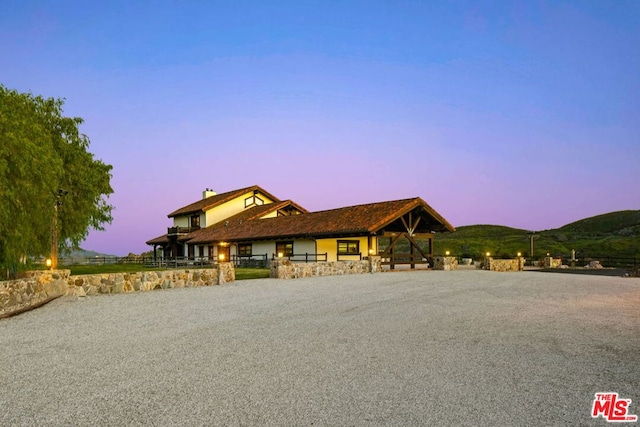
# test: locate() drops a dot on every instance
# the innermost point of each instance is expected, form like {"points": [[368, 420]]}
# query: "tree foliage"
{"points": [[41, 153]]}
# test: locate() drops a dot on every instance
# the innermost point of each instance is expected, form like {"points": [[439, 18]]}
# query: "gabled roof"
{"points": [[158, 240], [352, 220], [248, 216], [204, 205]]}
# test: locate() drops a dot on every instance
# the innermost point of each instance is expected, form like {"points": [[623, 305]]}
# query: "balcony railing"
{"points": [[175, 231]]}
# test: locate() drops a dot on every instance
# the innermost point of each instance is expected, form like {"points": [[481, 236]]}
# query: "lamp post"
{"points": [[532, 237], [54, 228]]}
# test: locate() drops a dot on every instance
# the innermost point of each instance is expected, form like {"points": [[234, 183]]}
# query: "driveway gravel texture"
{"points": [[404, 348]]}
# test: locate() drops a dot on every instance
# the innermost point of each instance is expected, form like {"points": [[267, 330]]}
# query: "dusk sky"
{"points": [[525, 114]]}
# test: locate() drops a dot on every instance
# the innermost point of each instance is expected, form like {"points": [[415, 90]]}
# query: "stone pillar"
{"points": [[446, 263], [550, 262], [226, 272], [279, 268], [375, 264]]}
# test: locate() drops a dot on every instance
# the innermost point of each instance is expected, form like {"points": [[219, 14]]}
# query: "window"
{"points": [[195, 221], [253, 200], [348, 247], [244, 249], [284, 248]]}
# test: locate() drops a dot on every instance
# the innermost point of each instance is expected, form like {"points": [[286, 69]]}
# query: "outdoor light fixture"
{"points": [[221, 257], [279, 254], [447, 253], [48, 262], [519, 254], [488, 254], [370, 251]]}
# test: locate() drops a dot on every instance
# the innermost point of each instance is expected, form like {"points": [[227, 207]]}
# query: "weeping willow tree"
{"points": [[48, 179]]}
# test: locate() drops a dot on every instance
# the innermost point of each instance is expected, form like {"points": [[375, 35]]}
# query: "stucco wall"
{"points": [[331, 247], [231, 208]]}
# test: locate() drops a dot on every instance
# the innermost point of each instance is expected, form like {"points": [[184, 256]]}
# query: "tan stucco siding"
{"points": [[232, 207], [261, 248], [181, 221], [300, 247], [270, 215], [330, 246]]}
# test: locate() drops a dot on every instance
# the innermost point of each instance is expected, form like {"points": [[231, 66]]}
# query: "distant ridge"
{"points": [[614, 234], [83, 253], [607, 223]]}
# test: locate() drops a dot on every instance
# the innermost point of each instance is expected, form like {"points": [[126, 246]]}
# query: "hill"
{"points": [[615, 234]]}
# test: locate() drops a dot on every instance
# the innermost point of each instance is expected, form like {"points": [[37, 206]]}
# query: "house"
{"points": [[252, 223]]}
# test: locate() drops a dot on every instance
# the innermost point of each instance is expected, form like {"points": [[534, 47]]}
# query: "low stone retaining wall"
{"points": [[446, 263], [552, 262], [504, 265], [40, 287], [116, 283], [34, 289], [285, 269]]}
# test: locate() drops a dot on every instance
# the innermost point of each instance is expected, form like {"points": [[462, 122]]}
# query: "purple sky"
{"points": [[524, 114]]}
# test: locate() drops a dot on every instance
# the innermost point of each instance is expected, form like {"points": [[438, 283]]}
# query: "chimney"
{"points": [[208, 193]]}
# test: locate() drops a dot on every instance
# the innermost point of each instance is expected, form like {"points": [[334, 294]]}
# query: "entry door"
{"points": [[226, 251]]}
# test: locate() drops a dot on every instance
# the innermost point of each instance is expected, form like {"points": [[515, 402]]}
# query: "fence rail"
{"points": [[140, 260], [605, 261], [250, 261], [306, 257]]}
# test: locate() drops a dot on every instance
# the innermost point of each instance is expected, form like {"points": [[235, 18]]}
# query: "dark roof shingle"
{"points": [[204, 205], [352, 220]]}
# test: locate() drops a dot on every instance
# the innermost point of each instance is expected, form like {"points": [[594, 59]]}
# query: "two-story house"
{"points": [[252, 222]]}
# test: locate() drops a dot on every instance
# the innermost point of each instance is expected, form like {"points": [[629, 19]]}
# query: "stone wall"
{"points": [[42, 286], [552, 262], [285, 269], [32, 290], [504, 265], [446, 263]]}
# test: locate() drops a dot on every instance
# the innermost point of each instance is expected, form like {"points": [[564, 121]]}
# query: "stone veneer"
{"points": [[285, 269], [40, 287], [552, 262], [504, 265], [32, 290], [446, 263]]}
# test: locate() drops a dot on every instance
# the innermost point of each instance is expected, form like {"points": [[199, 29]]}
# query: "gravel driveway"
{"points": [[403, 348]]}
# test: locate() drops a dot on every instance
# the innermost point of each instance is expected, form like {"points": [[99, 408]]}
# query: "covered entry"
{"points": [[408, 238]]}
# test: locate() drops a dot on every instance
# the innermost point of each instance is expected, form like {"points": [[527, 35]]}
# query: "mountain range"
{"points": [[614, 234]]}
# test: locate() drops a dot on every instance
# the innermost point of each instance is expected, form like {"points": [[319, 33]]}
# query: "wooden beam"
{"points": [[415, 244]]}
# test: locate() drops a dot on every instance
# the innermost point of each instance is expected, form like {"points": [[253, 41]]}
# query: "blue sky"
{"points": [[524, 114]]}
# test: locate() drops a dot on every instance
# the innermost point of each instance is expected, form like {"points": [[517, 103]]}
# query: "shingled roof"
{"points": [[363, 219], [204, 205], [160, 240]]}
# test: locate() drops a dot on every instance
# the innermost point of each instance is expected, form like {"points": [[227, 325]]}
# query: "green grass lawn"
{"points": [[241, 273]]}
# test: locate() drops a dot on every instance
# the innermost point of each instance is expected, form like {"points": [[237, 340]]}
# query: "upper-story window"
{"points": [[253, 200], [195, 221]]}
